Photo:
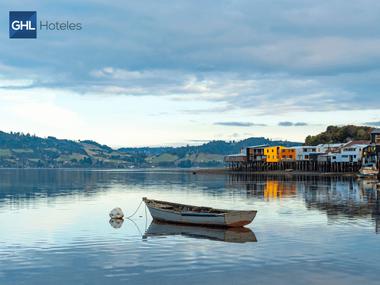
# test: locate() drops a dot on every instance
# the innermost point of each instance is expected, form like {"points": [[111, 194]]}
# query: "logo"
{"points": [[22, 24]]}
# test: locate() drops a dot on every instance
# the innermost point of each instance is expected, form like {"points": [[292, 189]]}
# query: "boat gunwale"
{"points": [[223, 212]]}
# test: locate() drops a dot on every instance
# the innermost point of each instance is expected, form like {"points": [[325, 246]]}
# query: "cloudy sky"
{"points": [[178, 72]]}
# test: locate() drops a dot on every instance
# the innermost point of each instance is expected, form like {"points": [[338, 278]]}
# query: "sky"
{"points": [[150, 73]]}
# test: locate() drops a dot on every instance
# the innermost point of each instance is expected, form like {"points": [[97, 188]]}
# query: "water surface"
{"points": [[55, 229]]}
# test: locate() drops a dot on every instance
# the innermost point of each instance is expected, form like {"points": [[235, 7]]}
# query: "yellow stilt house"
{"points": [[279, 153]]}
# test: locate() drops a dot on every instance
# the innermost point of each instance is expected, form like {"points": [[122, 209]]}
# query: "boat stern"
{"points": [[239, 218]]}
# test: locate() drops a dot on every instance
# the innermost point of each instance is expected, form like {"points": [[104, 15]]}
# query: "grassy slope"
{"points": [[20, 150]]}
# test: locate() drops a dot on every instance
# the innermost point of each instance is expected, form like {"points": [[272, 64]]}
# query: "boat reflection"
{"points": [[233, 235]]}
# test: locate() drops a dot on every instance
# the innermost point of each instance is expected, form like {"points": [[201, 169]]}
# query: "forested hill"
{"points": [[24, 150], [212, 147], [335, 134]]}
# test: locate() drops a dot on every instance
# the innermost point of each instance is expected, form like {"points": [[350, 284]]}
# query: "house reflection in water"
{"points": [[338, 197], [277, 189]]}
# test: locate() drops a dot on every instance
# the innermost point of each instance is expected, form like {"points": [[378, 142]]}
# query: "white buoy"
{"points": [[117, 213]]}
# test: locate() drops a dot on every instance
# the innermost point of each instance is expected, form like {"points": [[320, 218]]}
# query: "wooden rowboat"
{"points": [[187, 214], [368, 170], [234, 235]]}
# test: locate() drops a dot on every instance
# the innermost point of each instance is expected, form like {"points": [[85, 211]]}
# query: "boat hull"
{"points": [[368, 171], [228, 219]]}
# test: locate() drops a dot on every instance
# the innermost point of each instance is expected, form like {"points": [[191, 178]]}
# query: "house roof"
{"points": [[331, 145], [236, 155], [304, 146], [258, 146], [375, 131], [358, 142], [316, 153]]}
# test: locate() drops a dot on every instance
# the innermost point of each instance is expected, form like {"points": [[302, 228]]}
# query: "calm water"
{"points": [[55, 229]]}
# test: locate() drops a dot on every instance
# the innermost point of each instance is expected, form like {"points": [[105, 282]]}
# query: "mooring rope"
{"points": [[136, 225], [135, 211], [146, 219]]}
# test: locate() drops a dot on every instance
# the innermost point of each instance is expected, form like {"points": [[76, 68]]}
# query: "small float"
{"points": [[195, 215]]}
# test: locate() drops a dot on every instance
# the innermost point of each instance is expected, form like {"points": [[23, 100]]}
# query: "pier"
{"points": [[304, 166], [345, 157]]}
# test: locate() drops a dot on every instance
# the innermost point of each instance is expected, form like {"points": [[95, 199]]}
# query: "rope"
{"points": [[135, 211], [146, 219], [137, 227]]}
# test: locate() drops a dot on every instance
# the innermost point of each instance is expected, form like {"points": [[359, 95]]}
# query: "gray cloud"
{"points": [[239, 124], [285, 124], [298, 36], [291, 124], [300, 124], [235, 90], [314, 55]]}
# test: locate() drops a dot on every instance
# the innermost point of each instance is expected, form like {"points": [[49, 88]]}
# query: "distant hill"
{"points": [[335, 134], [206, 155], [212, 147], [25, 150]]}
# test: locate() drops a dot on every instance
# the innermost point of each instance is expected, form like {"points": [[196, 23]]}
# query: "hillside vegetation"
{"points": [[212, 147], [335, 134], [25, 150]]}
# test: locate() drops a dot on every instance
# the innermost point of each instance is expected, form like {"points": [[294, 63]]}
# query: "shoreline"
{"points": [[272, 172], [204, 171]]}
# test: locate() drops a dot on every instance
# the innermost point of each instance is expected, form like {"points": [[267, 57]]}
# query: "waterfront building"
{"points": [[287, 154], [238, 157], [303, 152], [279, 153], [272, 153], [352, 152], [330, 147], [326, 157], [315, 156], [375, 136], [256, 153], [371, 153]]}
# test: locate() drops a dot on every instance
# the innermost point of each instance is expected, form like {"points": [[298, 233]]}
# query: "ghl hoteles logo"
{"points": [[22, 24]]}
